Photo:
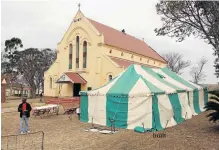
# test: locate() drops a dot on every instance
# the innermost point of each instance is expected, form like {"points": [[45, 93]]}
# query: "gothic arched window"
{"points": [[110, 77], [70, 56], [85, 54], [77, 51], [50, 81]]}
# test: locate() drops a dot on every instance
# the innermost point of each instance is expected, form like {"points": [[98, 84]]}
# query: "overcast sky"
{"points": [[42, 24]]}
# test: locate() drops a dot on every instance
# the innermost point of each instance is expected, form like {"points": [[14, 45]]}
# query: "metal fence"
{"points": [[30, 141]]}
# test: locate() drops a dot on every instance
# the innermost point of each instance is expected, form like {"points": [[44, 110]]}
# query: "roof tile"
{"points": [[122, 40], [75, 77]]}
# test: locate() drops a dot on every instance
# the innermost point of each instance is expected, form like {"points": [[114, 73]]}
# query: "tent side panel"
{"points": [[184, 102], [117, 98], [188, 98], [97, 109], [205, 96], [156, 124], [196, 101], [84, 108], [201, 100], [140, 112], [166, 111], [117, 110], [177, 108], [191, 103]]}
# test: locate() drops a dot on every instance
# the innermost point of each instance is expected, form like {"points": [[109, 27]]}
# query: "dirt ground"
{"points": [[61, 133]]}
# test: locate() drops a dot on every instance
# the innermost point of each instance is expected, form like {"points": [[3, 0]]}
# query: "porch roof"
{"points": [[71, 77]]}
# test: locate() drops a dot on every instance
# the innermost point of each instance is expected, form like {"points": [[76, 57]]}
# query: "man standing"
{"points": [[24, 108], [41, 96]]}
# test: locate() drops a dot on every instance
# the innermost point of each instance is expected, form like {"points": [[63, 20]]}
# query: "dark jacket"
{"points": [[28, 107]]}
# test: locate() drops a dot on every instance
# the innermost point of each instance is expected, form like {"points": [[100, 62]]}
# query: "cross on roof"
{"points": [[79, 5]]}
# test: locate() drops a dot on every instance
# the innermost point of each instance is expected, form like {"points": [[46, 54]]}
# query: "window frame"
{"points": [[70, 56], [77, 51], [85, 54], [110, 77], [50, 82]]}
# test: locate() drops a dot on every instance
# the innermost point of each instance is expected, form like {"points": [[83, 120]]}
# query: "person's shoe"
{"points": [[28, 131]]}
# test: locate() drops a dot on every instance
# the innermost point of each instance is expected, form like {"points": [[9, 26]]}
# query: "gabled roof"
{"points": [[122, 40]]}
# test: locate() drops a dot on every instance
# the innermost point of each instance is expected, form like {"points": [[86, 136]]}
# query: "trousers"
{"points": [[24, 124]]}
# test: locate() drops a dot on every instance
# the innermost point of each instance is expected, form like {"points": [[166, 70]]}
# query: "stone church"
{"points": [[90, 54]]}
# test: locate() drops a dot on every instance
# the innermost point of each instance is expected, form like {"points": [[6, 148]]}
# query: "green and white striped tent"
{"points": [[143, 97]]}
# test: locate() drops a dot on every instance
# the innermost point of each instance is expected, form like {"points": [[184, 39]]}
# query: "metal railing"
{"points": [[30, 141]]}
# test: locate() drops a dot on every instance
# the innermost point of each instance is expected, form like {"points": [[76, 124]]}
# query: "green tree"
{"points": [[10, 54], [32, 64], [213, 106], [184, 18]]}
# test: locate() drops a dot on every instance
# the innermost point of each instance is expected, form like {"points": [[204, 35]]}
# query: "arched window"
{"points": [[110, 77], [77, 51], [50, 82], [122, 54], [110, 51], [70, 56], [132, 56], [85, 54]]}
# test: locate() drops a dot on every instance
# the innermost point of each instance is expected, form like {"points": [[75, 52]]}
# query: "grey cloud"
{"points": [[43, 24]]}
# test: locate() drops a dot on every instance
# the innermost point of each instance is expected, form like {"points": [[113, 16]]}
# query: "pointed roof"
{"points": [[71, 77], [122, 40], [144, 81]]}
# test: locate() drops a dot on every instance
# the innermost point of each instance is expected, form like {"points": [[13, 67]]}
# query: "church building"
{"points": [[90, 54]]}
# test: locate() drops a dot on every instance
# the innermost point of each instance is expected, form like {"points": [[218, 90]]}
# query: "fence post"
{"points": [[42, 139]]}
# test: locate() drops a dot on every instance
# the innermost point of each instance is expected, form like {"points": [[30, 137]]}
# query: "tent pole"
{"points": [[185, 116], [143, 127], [92, 123], [166, 124]]}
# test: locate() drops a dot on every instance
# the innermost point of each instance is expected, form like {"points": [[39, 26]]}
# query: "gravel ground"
{"points": [[61, 133]]}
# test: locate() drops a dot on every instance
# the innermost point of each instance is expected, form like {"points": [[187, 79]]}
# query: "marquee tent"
{"points": [[143, 97]]}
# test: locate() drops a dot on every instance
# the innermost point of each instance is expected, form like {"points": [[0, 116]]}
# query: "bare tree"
{"points": [[197, 72], [176, 62], [184, 18]]}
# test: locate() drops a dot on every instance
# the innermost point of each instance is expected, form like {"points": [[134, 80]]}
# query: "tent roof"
{"points": [[141, 80]]}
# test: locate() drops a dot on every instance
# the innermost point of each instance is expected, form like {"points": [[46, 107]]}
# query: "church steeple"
{"points": [[79, 14]]}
